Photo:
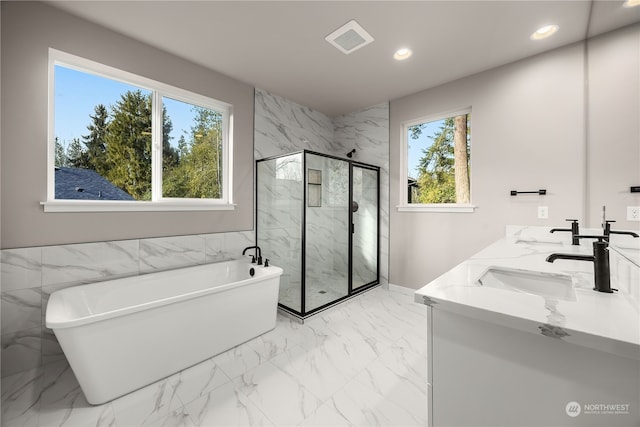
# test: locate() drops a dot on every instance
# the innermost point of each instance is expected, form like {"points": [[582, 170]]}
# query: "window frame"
{"points": [[403, 204], [158, 90]]}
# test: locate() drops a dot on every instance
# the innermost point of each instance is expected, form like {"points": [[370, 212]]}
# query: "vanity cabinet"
{"points": [[486, 374], [509, 356]]}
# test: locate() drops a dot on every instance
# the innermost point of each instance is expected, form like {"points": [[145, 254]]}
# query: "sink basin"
{"points": [[546, 285]]}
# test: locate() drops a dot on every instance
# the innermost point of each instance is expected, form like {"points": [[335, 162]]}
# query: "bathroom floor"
{"points": [[360, 363]]}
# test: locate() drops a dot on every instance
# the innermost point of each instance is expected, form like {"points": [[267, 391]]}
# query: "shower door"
{"points": [[326, 238], [317, 218], [364, 228]]}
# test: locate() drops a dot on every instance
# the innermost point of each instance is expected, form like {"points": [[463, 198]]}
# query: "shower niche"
{"points": [[318, 219]]}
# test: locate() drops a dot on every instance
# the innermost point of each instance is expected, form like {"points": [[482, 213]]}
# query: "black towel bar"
{"points": [[540, 192]]}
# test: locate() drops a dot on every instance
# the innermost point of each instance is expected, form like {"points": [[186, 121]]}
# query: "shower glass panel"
{"points": [[308, 224], [365, 226], [279, 222], [326, 242]]}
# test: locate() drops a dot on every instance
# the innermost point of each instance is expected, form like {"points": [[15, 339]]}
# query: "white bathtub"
{"points": [[123, 334]]}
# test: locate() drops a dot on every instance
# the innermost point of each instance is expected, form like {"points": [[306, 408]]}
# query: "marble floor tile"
{"points": [[21, 398], [362, 362], [308, 335], [238, 360], [399, 375], [358, 405], [282, 398], [319, 370], [178, 418], [78, 413], [270, 345], [225, 406], [148, 405], [199, 380]]}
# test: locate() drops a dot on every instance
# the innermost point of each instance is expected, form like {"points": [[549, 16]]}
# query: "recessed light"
{"points": [[402, 54], [631, 3], [544, 32]]}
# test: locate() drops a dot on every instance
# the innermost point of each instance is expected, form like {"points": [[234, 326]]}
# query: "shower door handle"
{"points": [[353, 228]]}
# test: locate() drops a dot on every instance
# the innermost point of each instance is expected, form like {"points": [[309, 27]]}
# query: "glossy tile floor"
{"points": [[360, 363]]}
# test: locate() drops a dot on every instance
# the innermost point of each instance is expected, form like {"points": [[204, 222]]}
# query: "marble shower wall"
{"points": [[282, 126], [368, 132], [30, 275]]}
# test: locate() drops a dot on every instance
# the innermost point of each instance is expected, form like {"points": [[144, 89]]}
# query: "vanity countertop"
{"points": [[629, 251], [606, 322]]}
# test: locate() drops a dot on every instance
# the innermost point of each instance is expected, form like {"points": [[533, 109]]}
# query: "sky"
{"points": [[414, 152], [77, 93]]}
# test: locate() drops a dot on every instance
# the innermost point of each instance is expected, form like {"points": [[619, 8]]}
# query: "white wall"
{"points": [[527, 133], [29, 29]]}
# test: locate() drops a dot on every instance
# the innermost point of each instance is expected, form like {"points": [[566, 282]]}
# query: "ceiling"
{"points": [[279, 46]]}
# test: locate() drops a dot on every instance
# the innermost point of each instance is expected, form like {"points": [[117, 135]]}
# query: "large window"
{"points": [[437, 157], [123, 142]]}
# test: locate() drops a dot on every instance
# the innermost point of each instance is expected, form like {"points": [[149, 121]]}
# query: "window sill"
{"points": [[442, 208], [127, 206]]}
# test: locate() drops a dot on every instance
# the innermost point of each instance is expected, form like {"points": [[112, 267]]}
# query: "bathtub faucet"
{"points": [[258, 253]]}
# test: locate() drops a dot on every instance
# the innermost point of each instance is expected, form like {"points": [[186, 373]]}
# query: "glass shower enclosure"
{"points": [[318, 219]]}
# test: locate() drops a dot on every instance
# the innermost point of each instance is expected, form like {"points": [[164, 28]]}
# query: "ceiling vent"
{"points": [[349, 38]]}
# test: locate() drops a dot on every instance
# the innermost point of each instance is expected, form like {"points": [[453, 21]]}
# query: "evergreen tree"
{"points": [[76, 156], [440, 178], [170, 155], [61, 159], [95, 142], [128, 145], [199, 170], [174, 179]]}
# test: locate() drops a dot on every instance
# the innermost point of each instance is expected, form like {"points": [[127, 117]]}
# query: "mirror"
{"points": [[612, 64]]}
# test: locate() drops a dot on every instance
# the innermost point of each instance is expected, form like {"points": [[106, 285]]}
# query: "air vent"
{"points": [[349, 38]]}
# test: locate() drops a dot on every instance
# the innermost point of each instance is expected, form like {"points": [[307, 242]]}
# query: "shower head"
{"points": [[351, 153]]}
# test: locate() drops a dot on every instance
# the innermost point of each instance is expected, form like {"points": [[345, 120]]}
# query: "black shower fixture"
{"points": [[351, 153]]}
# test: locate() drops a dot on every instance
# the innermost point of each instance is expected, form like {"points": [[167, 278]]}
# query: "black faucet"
{"points": [[575, 231], [608, 231], [258, 253], [600, 259]]}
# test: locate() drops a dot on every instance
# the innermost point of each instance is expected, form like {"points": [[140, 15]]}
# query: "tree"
{"points": [[443, 170], [461, 162], [76, 156], [174, 179], [128, 145], [199, 169], [61, 159], [95, 143]]}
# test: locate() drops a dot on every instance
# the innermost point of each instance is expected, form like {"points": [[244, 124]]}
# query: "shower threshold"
{"points": [[285, 311]]}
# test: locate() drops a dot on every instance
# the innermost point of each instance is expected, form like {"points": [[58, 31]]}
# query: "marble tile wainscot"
{"points": [[30, 275]]}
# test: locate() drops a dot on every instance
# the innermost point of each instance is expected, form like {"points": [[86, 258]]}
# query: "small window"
{"points": [[437, 157], [125, 140]]}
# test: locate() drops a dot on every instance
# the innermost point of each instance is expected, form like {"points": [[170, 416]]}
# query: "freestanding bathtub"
{"points": [[120, 335]]}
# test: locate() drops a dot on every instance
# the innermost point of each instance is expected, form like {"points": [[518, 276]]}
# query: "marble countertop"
{"points": [[628, 250], [607, 322]]}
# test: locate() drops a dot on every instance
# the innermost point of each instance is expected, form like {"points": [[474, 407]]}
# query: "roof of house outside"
{"points": [[86, 184]]}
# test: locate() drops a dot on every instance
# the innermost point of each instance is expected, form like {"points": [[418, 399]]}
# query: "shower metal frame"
{"points": [[303, 313]]}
